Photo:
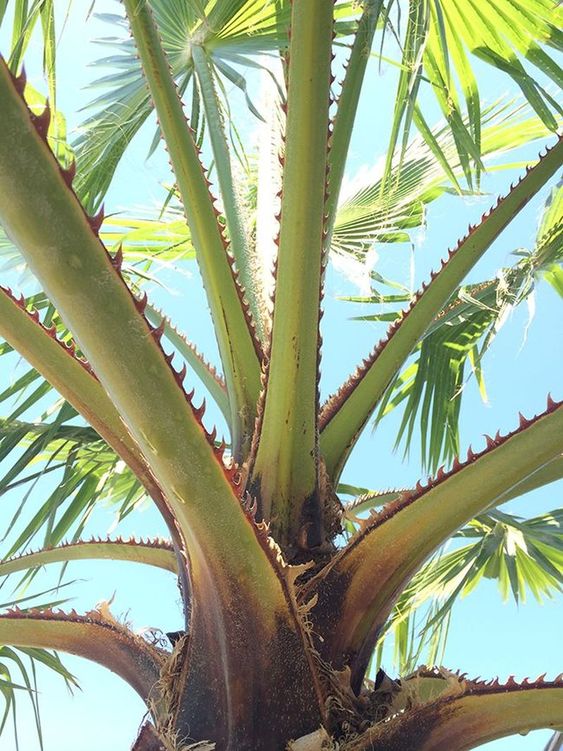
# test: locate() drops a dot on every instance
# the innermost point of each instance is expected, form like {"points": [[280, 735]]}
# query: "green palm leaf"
{"points": [[18, 674], [523, 556], [235, 35], [231, 35], [87, 472], [424, 172], [431, 386], [25, 18], [439, 39]]}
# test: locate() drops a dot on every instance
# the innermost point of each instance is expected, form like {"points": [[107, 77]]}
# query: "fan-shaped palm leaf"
{"points": [[428, 168], [436, 47], [233, 35]]}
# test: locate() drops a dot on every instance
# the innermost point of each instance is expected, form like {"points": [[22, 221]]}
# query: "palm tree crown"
{"points": [[287, 591]]}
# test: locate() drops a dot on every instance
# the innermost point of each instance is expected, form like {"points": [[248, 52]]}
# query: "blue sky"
{"points": [[487, 638]]}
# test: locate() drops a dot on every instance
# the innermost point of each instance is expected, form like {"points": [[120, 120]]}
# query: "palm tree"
{"points": [[282, 615]]}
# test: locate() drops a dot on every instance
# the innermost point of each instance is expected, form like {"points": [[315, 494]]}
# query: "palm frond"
{"points": [[431, 386], [234, 35], [86, 471], [437, 46], [18, 674], [524, 556], [25, 17], [423, 173]]}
